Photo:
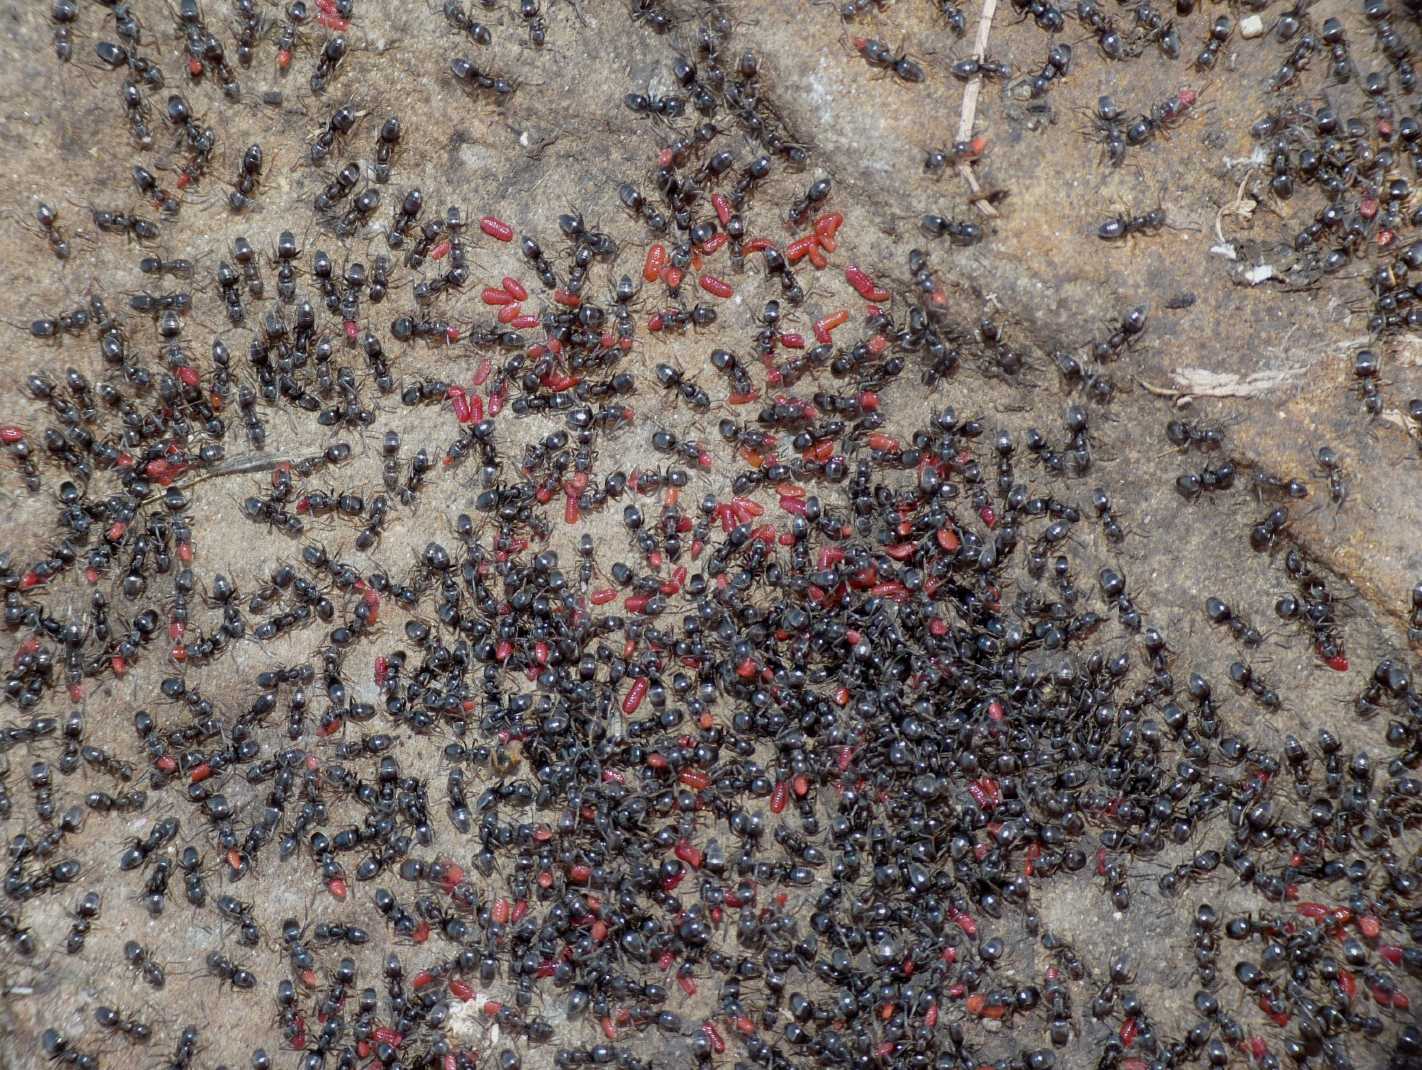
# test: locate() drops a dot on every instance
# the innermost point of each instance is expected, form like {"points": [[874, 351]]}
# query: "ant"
{"points": [[1120, 227], [135, 227], [650, 13], [1245, 678], [1057, 65], [142, 960], [63, 14], [648, 104], [877, 54], [221, 966], [1220, 613], [1210, 478], [249, 172], [471, 76], [1108, 38], [965, 70], [57, 1050], [48, 219], [958, 233], [530, 12], [1220, 33], [332, 52], [341, 123], [463, 21], [1185, 435], [1110, 523], [57, 327], [1290, 488], [1132, 325], [1099, 388], [386, 142], [117, 1022], [1332, 467], [1108, 122], [250, 29], [156, 265]]}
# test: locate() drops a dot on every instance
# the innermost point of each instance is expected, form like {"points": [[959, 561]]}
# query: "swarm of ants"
{"points": [[657, 702]]}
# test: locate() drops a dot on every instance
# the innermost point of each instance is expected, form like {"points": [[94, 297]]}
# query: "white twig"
{"points": [[970, 104]]}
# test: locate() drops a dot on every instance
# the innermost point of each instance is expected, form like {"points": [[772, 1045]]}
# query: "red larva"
{"points": [[713, 1037], [655, 261], [779, 795], [496, 296], [864, 285], [694, 778], [385, 1035], [688, 853], [827, 225], [483, 371], [496, 228], [800, 248], [716, 287], [459, 402], [1336, 662], [635, 695], [1129, 1029], [515, 287], [823, 327], [722, 206]]}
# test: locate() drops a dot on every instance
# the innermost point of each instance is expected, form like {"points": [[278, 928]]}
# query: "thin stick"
{"points": [[970, 106], [237, 466]]}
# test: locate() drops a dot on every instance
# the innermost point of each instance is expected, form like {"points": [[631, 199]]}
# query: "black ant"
{"points": [[965, 70], [1120, 227], [115, 1021], [877, 54], [1220, 32], [1219, 612], [1186, 435]]}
